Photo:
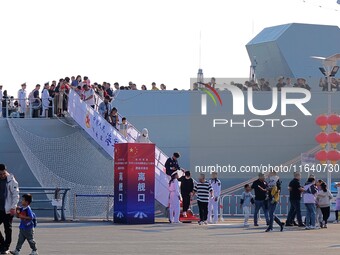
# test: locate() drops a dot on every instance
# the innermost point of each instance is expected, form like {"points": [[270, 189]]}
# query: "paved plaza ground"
{"points": [[229, 237]]}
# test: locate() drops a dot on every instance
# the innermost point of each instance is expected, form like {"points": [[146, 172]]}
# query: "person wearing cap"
{"points": [[9, 198], [213, 201], [280, 83], [260, 186], [35, 101], [171, 164], [45, 100], [273, 191], [105, 108], [22, 95], [174, 198]]}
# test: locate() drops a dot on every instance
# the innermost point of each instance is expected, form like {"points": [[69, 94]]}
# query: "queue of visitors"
{"points": [[315, 196], [51, 99]]}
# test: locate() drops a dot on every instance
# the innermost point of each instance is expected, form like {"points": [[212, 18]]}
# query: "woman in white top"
{"points": [[174, 198], [323, 199]]}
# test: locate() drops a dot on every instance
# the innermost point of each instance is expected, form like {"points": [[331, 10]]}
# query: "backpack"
{"points": [[275, 194]]}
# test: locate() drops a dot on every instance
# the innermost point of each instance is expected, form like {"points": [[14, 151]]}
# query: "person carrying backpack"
{"points": [[28, 222]]}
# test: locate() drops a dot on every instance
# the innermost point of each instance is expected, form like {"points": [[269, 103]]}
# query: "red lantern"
{"points": [[321, 156], [333, 156], [334, 121], [333, 138], [322, 121], [321, 138]]}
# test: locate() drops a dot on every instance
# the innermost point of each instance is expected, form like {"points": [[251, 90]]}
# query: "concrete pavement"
{"points": [[229, 237]]}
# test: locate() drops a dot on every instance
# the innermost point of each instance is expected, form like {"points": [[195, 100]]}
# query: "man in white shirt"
{"points": [[45, 100], [213, 201], [22, 99], [89, 95]]}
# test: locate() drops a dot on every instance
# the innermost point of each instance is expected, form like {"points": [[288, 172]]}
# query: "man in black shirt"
{"points": [[295, 190], [187, 187], [171, 165], [260, 186]]}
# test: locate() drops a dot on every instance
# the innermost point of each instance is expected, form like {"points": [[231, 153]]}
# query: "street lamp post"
{"points": [[329, 65]]}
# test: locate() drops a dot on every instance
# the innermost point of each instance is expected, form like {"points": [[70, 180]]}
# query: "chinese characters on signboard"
{"points": [[134, 173]]}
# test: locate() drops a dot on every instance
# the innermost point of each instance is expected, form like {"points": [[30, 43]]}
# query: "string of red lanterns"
{"points": [[323, 138]]}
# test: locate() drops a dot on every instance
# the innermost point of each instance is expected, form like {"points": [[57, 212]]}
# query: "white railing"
{"points": [[93, 123], [230, 205], [132, 133], [10, 110]]}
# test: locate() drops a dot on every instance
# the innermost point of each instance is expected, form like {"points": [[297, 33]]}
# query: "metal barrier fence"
{"points": [[108, 205], [57, 194], [11, 108], [230, 205]]}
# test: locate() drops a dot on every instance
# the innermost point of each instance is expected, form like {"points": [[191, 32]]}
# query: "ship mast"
{"points": [[200, 78]]}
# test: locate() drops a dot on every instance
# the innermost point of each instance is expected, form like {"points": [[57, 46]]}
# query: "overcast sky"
{"points": [[140, 40]]}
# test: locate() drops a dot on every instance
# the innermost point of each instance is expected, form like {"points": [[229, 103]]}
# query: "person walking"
{"points": [[274, 188], [204, 191], [295, 191], [174, 198], [9, 198], [246, 202], [187, 188], [323, 199], [309, 197], [213, 201], [260, 188], [337, 205]]}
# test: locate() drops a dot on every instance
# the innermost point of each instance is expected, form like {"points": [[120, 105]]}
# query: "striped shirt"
{"points": [[203, 191]]}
